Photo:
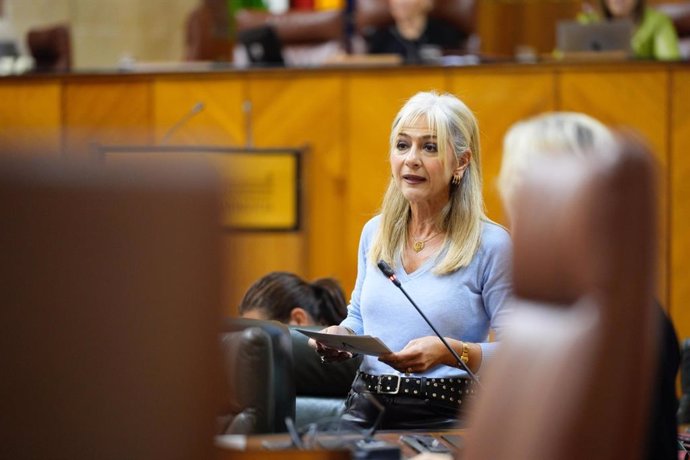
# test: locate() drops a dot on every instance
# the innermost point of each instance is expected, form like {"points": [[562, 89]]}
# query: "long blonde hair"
{"points": [[461, 218]]}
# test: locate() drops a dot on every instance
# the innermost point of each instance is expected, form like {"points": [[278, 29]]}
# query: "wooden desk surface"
{"points": [[256, 446]]}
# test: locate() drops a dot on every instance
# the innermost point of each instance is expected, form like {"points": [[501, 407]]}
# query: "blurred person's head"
{"points": [[551, 134], [403, 10], [622, 9], [285, 297]]}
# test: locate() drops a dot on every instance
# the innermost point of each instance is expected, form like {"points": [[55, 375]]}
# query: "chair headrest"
{"points": [[577, 225]]}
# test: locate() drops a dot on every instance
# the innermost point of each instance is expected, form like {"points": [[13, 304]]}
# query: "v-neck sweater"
{"points": [[462, 305]]}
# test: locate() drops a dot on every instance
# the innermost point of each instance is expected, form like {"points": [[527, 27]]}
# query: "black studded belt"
{"points": [[452, 390]]}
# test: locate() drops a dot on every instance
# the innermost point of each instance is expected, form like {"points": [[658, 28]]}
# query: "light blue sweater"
{"points": [[463, 305]]}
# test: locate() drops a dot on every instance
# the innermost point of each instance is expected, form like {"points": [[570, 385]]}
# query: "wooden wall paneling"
{"points": [[498, 99], [499, 26], [373, 100], [31, 118], [540, 19], [636, 98], [250, 255], [220, 122], [505, 24], [346, 121], [297, 110], [105, 111], [680, 202]]}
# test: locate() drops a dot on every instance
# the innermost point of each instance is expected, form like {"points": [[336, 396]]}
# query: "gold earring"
{"points": [[456, 179]]}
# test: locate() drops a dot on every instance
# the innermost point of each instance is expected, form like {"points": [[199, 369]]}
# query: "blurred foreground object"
{"points": [[573, 376], [110, 291]]}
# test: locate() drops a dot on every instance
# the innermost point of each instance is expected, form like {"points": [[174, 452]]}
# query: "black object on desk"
{"points": [[263, 46]]}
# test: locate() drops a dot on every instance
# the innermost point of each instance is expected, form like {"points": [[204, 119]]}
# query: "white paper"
{"points": [[363, 344]]}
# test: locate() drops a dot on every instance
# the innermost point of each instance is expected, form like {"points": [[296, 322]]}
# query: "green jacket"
{"points": [[655, 36]]}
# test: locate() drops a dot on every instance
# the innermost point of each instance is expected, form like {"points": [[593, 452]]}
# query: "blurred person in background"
{"points": [[654, 37], [413, 33]]}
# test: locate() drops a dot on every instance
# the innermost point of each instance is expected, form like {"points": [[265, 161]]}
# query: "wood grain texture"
{"points": [[304, 110], [105, 111], [248, 256], [498, 99], [637, 98], [221, 122], [505, 24], [679, 177], [30, 118], [344, 118]]}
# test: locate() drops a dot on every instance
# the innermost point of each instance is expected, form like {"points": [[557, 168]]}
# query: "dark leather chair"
{"points": [[207, 33], [51, 48], [573, 376], [272, 373], [258, 365], [295, 27]]}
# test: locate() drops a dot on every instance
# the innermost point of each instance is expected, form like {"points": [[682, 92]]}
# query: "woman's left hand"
{"points": [[418, 355]]}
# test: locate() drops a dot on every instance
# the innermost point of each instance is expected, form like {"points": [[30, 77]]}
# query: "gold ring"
{"points": [[408, 371]]}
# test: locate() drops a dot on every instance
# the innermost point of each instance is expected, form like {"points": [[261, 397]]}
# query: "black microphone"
{"points": [[198, 107], [388, 271]]}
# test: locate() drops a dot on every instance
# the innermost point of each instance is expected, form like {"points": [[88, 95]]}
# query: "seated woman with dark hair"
{"points": [[285, 297]]}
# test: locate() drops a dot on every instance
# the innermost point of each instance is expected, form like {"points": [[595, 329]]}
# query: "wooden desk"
{"points": [[255, 446]]}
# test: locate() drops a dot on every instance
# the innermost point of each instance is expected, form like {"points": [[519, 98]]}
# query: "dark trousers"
{"points": [[400, 412]]}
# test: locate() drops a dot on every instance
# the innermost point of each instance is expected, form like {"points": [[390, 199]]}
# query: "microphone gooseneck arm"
{"points": [[198, 107], [390, 274]]}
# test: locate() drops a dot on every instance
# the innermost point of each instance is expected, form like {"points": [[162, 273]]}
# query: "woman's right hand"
{"points": [[329, 354]]}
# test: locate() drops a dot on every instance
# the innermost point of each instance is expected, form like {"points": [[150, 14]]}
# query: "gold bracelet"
{"points": [[465, 356]]}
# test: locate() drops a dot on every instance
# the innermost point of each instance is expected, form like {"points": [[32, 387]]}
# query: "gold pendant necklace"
{"points": [[418, 245]]}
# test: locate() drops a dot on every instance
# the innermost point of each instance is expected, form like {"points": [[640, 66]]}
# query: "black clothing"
{"points": [[389, 41], [314, 378], [402, 411], [662, 432]]}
